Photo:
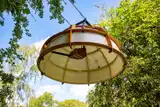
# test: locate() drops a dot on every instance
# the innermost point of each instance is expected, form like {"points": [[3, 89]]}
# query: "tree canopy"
{"points": [[136, 23], [19, 10], [24, 71], [45, 100], [71, 103]]}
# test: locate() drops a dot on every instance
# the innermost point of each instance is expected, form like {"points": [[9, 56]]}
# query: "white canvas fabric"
{"points": [[99, 65]]}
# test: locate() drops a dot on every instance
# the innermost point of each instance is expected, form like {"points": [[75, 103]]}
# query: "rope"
{"points": [[77, 9], [66, 20]]}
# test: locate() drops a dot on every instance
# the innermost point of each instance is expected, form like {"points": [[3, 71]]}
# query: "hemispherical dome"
{"points": [[81, 55]]}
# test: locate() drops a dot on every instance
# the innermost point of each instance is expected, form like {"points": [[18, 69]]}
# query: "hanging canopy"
{"points": [[81, 55]]}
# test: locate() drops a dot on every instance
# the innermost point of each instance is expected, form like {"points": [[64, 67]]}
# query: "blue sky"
{"points": [[43, 28]]}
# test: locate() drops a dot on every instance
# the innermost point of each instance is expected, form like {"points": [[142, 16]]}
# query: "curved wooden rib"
{"points": [[107, 63], [86, 70]]}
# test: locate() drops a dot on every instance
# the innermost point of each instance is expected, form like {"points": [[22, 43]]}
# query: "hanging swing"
{"points": [[81, 54]]}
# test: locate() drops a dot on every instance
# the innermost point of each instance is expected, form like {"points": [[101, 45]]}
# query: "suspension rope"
{"points": [[77, 9], [66, 20]]}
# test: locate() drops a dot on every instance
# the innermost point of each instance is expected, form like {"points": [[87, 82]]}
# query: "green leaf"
{"points": [[26, 11]]}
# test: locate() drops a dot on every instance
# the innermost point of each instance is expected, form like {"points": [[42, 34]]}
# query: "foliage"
{"points": [[19, 10], [24, 70], [45, 100], [71, 103], [136, 24]]}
